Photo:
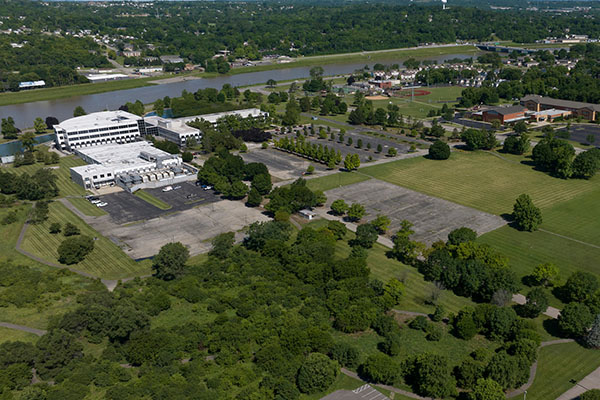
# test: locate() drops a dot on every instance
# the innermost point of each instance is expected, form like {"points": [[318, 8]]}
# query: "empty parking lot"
{"points": [[433, 218]]}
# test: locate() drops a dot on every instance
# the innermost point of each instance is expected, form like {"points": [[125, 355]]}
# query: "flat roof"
{"points": [[175, 125], [560, 103], [213, 118], [506, 110], [97, 120], [552, 111], [99, 77]]}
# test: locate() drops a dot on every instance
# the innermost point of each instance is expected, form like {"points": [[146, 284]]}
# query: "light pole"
{"points": [[525, 395]]}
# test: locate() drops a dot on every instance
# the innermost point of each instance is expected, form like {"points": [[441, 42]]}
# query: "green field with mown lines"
{"points": [[558, 367], [107, 260], [481, 180], [65, 185], [155, 201], [86, 207], [328, 182]]}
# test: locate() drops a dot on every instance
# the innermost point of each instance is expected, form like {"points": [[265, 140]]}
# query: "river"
{"points": [[24, 114]]}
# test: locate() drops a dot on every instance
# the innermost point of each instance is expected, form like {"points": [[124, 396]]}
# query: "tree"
{"points": [[317, 373], [392, 152], [366, 236], [461, 235], [271, 83], [405, 250], [237, 190], [187, 156], [9, 131], [537, 302], [593, 394], [439, 151], [527, 216], [159, 107], [345, 354], [310, 170], [262, 183], [338, 229], [70, 230], [55, 227], [545, 274], [381, 223], [170, 261], [28, 141], [592, 339], [464, 325], [356, 212], [79, 111], [254, 198], [74, 249], [432, 376], [222, 245], [51, 121], [580, 287], [39, 213], [56, 349], [379, 148], [575, 319], [39, 125], [379, 368], [351, 162], [487, 389], [586, 164]]}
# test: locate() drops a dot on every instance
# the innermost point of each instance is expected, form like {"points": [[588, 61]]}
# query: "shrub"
{"points": [[439, 150], [70, 230], [317, 373], [55, 227], [74, 249]]}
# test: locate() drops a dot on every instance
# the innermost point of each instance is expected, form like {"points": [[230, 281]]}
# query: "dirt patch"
{"points": [[376, 98], [409, 93]]}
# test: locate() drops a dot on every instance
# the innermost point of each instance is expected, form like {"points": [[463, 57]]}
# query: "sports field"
{"points": [[558, 367], [107, 260], [66, 186], [481, 180]]}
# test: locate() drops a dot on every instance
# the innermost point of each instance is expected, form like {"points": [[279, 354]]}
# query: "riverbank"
{"points": [[347, 58]]}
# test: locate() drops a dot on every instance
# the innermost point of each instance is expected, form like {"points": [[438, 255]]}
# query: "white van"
{"points": [[167, 188]]}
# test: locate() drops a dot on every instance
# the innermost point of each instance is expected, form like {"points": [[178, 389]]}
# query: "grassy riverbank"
{"points": [[95, 88]]}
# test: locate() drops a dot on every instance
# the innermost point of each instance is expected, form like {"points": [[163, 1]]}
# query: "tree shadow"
{"points": [[551, 326]]}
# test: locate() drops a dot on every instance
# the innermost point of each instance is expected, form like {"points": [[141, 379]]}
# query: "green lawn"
{"points": [[13, 335], [525, 250], [65, 185], [86, 207], [148, 198], [558, 365], [331, 181], [480, 180], [107, 260]]}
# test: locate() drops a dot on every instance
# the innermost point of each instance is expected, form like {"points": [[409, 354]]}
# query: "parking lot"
{"points": [[579, 133], [124, 207], [363, 152], [281, 165], [433, 218]]}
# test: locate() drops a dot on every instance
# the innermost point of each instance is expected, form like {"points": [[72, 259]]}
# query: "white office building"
{"points": [[174, 130], [100, 128], [132, 166]]}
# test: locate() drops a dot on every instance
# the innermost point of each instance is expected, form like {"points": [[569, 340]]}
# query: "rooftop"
{"points": [[213, 118], [560, 103], [175, 125], [98, 119], [507, 110]]}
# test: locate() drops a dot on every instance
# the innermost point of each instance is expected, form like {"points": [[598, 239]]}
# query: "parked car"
{"points": [[177, 187], [167, 188], [208, 188], [102, 204], [95, 201]]}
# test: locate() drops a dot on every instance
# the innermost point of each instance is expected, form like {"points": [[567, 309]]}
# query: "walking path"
{"points": [[592, 381], [39, 332]]}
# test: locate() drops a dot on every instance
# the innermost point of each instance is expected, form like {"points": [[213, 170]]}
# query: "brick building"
{"points": [[504, 114], [578, 109]]}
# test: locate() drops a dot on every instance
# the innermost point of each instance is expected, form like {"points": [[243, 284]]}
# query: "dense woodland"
{"points": [[197, 31]]}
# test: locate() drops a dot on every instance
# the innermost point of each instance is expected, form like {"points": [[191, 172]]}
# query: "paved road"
{"points": [[39, 332]]}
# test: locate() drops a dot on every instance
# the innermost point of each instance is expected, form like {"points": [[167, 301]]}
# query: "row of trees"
{"points": [[558, 157], [313, 151]]}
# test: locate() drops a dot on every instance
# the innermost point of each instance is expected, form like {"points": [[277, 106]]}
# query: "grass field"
{"points": [[335, 180], [148, 198], [13, 335], [86, 207], [65, 185], [480, 180], [107, 260], [557, 366]]}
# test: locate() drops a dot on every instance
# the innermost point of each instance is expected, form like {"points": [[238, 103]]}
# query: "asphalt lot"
{"points": [[433, 218], [124, 207], [580, 132], [282, 165], [363, 152]]}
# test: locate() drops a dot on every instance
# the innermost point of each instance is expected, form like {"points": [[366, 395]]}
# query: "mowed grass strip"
{"points": [[65, 185], [148, 198], [558, 366], [525, 250], [480, 180], [107, 260], [328, 182], [86, 207]]}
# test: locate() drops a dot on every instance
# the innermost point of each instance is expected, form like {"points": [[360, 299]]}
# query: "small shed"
{"points": [[308, 214]]}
